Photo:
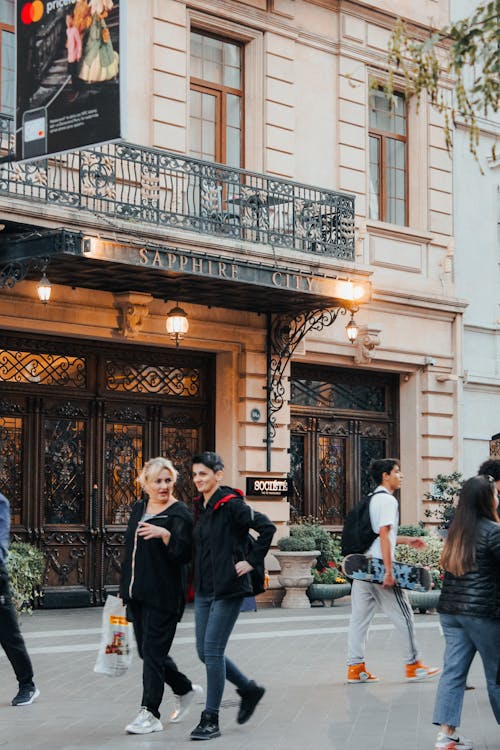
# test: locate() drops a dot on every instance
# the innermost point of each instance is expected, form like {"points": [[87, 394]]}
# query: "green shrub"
{"points": [[302, 543], [412, 530], [26, 566], [444, 493], [310, 528]]}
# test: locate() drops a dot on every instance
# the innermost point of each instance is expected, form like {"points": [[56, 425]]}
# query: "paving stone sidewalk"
{"points": [[297, 654]]}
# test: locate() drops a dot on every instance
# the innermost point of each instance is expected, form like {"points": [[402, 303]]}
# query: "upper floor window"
{"points": [[388, 158], [7, 57], [216, 100]]}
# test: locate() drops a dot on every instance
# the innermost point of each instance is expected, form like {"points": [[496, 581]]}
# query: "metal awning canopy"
{"points": [[169, 272]]}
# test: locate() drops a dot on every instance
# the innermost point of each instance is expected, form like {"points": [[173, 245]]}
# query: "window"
{"points": [[216, 100], [388, 158], [7, 57]]}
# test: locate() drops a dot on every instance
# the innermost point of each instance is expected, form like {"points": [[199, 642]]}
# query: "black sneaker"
{"points": [[250, 696], [26, 695], [208, 728]]}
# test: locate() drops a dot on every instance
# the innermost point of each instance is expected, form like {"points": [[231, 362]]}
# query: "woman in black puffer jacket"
{"points": [[469, 605]]}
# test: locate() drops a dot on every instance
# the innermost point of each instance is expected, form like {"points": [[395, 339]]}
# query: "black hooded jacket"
{"points": [[476, 593], [221, 540], [154, 572]]}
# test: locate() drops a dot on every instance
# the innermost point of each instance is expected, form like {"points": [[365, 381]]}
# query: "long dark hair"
{"points": [[476, 501]]}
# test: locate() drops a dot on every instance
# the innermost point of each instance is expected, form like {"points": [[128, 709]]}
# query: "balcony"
{"points": [[133, 183]]}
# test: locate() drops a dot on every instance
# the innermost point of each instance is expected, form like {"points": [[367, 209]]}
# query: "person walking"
{"points": [[74, 53], [366, 597], [491, 468], [11, 639], [158, 544], [223, 562], [469, 606]]}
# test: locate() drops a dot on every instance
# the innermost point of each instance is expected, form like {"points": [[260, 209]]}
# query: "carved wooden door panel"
{"points": [[340, 421], [77, 422]]}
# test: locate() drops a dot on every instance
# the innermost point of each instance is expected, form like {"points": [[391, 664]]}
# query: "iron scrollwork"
{"points": [[284, 335], [17, 270]]}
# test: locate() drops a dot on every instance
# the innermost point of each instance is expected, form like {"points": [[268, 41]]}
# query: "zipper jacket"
{"points": [[154, 572], [221, 540], [476, 593]]}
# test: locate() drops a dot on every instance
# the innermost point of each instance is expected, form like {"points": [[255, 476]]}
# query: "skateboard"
{"points": [[367, 568]]}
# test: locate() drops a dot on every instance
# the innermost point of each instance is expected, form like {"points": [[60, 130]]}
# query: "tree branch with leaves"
{"points": [[467, 51]]}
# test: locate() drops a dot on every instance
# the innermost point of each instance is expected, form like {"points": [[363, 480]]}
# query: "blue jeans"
{"points": [[464, 635], [214, 621]]}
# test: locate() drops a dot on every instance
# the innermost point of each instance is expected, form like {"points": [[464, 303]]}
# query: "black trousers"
{"points": [[154, 632], [11, 639]]}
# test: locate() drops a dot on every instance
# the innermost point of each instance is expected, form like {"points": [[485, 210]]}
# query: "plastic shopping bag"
{"points": [[115, 652]]}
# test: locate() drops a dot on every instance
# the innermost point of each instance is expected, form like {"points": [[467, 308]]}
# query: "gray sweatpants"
{"points": [[366, 598]]}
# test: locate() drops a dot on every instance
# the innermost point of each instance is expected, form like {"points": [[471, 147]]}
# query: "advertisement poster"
{"points": [[68, 75]]}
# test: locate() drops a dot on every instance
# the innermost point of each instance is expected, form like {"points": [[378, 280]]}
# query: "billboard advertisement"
{"points": [[68, 75]]}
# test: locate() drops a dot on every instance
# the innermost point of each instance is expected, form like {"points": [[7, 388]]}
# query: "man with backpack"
{"points": [[366, 597]]}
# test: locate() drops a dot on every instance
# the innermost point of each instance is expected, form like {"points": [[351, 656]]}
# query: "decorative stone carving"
{"points": [[133, 309], [368, 339]]}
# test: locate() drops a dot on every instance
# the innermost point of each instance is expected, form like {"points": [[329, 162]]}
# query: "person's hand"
{"points": [[389, 580], [242, 568], [150, 531], [417, 542]]}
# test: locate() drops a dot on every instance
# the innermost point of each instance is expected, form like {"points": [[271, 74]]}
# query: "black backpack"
{"points": [[358, 534]]}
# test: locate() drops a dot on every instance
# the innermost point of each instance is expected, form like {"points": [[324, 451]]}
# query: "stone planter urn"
{"points": [[296, 576], [424, 600], [327, 592]]}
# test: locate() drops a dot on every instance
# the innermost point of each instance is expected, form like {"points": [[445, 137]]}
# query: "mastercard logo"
{"points": [[32, 12]]}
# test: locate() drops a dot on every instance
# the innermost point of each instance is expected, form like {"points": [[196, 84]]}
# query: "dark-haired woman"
{"points": [[223, 563], [469, 606]]}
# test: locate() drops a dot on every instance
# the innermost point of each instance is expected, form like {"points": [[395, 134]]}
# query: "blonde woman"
{"points": [[158, 545], [469, 606]]}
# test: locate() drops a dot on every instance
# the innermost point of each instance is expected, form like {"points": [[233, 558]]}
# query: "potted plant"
{"points": [[429, 558], [26, 566], [444, 495], [329, 582], [297, 554]]}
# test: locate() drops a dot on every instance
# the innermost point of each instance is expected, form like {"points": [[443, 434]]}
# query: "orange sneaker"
{"points": [[418, 671], [357, 673]]}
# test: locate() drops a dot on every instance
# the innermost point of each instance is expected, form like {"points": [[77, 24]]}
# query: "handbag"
{"points": [[115, 654]]}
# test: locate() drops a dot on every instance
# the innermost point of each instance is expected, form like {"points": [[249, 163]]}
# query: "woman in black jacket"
{"points": [[224, 560], [469, 605], [158, 544]]}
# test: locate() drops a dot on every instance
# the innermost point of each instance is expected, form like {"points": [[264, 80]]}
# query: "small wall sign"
{"points": [[266, 486]]}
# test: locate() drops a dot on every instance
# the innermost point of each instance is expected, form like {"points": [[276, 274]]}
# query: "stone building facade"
{"points": [[330, 205]]}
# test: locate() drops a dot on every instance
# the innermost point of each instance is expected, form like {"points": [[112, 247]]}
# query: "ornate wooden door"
{"points": [[75, 429], [340, 421]]}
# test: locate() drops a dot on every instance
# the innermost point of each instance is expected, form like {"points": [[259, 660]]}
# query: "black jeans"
{"points": [[154, 632], [11, 639]]}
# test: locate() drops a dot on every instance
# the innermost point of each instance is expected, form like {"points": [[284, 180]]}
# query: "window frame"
{"points": [[220, 92], [382, 137], [5, 27]]}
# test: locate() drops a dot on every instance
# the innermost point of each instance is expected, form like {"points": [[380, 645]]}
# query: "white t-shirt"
{"points": [[383, 512]]}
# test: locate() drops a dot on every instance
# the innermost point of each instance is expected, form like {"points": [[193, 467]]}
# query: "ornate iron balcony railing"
{"points": [[135, 183]]}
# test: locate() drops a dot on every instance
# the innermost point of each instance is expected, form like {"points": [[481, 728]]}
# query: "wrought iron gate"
{"points": [[341, 419], [76, 425]]}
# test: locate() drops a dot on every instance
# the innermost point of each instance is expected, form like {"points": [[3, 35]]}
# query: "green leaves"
{"points": [[26, 566], [463, 58]]}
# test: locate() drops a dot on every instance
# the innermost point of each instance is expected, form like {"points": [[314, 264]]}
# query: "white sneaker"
{"points": [[444, 742], [144, 723], [182, 703]]}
